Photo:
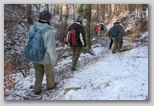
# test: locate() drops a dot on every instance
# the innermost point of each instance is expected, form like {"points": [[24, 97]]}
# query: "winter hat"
{"points": [[117, 22], [79, 19], [45, 15]]}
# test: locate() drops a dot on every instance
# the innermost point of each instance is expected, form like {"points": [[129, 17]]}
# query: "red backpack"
{"points": [[72, 38]]}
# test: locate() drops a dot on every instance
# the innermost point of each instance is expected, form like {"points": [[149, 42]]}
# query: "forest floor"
{"points": [[103, 76]]}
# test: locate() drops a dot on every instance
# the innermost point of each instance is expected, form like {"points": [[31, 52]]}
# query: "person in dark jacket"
{"points": [[103, 28], [76, 50], [116, 34], [121, 34]]}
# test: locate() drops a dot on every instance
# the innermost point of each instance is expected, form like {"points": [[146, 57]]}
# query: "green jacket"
{"points": [[50, 44]]}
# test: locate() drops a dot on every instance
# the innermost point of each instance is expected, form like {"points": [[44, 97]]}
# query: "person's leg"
{"points": [[76, 56], [110, 45], [73, 55], [115, 43], [120, 42], [49, 71], [39, 72]]}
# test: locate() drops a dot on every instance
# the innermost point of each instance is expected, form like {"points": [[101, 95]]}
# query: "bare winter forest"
{"points": [[19, 17]]}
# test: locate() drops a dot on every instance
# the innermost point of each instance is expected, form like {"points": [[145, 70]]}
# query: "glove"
{"points": [[84, 45], [66, 42]]}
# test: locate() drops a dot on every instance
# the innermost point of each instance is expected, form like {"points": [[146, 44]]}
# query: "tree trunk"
{"points": [[87, 15], [47, 7], [64, 22], [97, 12], [103, 9], [61, 12], [29, 14], [80, 10], [51, 9]]}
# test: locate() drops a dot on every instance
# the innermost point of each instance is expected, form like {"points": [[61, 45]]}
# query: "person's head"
{"points": [[45, 15], [79, 19], [116, 23]]}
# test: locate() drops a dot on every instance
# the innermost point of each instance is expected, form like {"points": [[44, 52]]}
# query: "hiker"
{"points": [[76, 40], [46, 64], [116, 34], [97, 29], [111, 42], [102, 28]]}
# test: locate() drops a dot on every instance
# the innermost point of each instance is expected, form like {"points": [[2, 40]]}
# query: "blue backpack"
{"points": [[35, 49], [114, 31]]}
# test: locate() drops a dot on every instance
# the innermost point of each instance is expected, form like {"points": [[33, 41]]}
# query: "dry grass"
{"points": [[9, 83]]}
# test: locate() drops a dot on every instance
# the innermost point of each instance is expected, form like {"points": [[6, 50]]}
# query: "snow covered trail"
{"points": [[24, 85], [122, 76], [106, 76]]}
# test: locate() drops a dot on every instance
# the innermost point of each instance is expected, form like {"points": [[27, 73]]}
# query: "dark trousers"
{"points": [[116, 44], [110, 45], [96, 33], [120, 42], [76, 51]]}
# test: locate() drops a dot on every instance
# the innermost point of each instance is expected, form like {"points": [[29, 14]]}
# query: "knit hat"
{"points": [[45, 15], [79, 19], [117, 22]]}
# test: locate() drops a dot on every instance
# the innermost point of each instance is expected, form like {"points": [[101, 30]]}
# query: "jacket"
{"points": [[80, 32], [97, 28], [117, 30], [49, 43]]}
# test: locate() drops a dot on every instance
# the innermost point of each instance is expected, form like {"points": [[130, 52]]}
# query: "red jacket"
{"points": [[97, 28]]}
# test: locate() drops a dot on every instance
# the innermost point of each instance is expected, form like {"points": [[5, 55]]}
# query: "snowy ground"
{"points": [[106, 76], [122, 76]]}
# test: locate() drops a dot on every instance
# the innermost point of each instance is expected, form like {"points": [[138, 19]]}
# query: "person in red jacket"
{"points": [[97, 29]]}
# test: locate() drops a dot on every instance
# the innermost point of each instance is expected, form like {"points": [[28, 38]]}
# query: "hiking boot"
{"points": [[73, 69], [113, 52], [33, 96], [55, 85], [38, 93]]}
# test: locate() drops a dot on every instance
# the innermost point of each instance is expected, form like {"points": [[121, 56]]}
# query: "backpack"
{"points": [[35, 49], [102, 27], [73, 38], [114, 31]]}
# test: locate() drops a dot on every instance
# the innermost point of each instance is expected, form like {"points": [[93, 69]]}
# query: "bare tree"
{"points": [[64, 20], [87, 15], [29, 14]]}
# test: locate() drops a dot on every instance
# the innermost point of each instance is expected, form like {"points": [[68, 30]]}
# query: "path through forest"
{"points": [[24, 86]]}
